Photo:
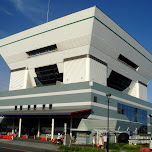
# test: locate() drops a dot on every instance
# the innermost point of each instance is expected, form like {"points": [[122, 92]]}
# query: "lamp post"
{"points": [[108, 97]]}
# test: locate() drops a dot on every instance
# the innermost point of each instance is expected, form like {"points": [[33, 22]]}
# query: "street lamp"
{"points": [[108, 97]]}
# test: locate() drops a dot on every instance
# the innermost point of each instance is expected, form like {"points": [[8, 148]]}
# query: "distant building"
{"points": [[62, 70]]}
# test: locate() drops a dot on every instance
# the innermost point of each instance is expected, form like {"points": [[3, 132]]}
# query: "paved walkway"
{"points": [[32, 143]]}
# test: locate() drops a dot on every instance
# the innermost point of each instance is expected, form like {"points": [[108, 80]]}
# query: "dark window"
{"points": [[28, 107], [20, 107], [42, 50], [48, 75], [43, 106], [95, 99], [15, 107], [127, 62], [118, 81], [50, 106], [34, 107]]}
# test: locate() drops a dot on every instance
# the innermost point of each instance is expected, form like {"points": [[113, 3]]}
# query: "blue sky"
{"points": [[134, 16]]}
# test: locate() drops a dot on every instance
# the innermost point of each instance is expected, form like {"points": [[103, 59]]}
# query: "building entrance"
{"points": [[29, 126]]}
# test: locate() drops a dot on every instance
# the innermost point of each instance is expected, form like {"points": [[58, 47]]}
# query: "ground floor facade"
{"points": [[81, 106]]}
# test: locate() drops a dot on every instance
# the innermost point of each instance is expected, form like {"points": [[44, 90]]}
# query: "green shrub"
{"points": [[132, 151], [114, 146], [86, 149], [114, 150], [75, 148], [62, 147], [130, 147]]}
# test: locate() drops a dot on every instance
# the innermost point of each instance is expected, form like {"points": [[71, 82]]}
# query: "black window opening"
{"points": [[95, 99], [34, 107], [118, 81], [50, 106], [127, 62], [15, 107], [43, 106], [48, 75], [42, 50], [20, 107], [28, 107]]}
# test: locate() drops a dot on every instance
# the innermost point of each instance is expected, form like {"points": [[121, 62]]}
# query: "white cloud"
{"points": [[7, 12], [35, 10], [2, 34]]}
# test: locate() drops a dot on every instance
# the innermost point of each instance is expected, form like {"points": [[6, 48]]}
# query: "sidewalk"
{"points": [[46, 145]]}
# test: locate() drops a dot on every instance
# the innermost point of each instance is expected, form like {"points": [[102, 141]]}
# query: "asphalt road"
{"points": [[15, 148]]}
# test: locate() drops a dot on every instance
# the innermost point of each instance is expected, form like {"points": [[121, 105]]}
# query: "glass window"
{"points": [[123, 107], [43, 106], [95, 99], [50, 106], [34, 107], [28, 107], [127, 108], [20, 107], [15, 107], [133, 114]]}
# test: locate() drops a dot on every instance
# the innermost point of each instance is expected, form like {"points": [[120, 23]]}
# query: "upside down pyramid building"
{"points": [[62, 70]]}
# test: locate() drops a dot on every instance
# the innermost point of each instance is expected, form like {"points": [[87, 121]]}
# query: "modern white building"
{"points": [[69, 64]]}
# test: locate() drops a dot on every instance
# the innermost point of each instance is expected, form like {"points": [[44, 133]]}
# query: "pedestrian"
{"points": [[100, 141], [15, 131], [93, 140], [105, 141]]}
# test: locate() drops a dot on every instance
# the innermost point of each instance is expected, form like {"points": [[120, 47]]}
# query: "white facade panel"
{"points": [[142, 92], [98, 72], [50, 58], [112, 25], [72, 33], [18, 80], [29, 82], [134, 89], [117, 66], [111, 44], [74, 71], [78, 16]]}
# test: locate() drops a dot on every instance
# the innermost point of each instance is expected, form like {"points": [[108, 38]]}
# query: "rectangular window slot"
{"points": [[15, 107], [43, 107], [128, 62], [95, 99], [42, 50], [50, 106], [34, 107], [48, 75], [28, 107], [20, 107]]}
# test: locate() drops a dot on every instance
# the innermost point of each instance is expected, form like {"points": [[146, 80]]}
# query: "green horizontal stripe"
{"points": [[77, 22], [122, 38], [46, 31]]}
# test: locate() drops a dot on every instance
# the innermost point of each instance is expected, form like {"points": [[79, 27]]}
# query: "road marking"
{"points": [[15, 149]]}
